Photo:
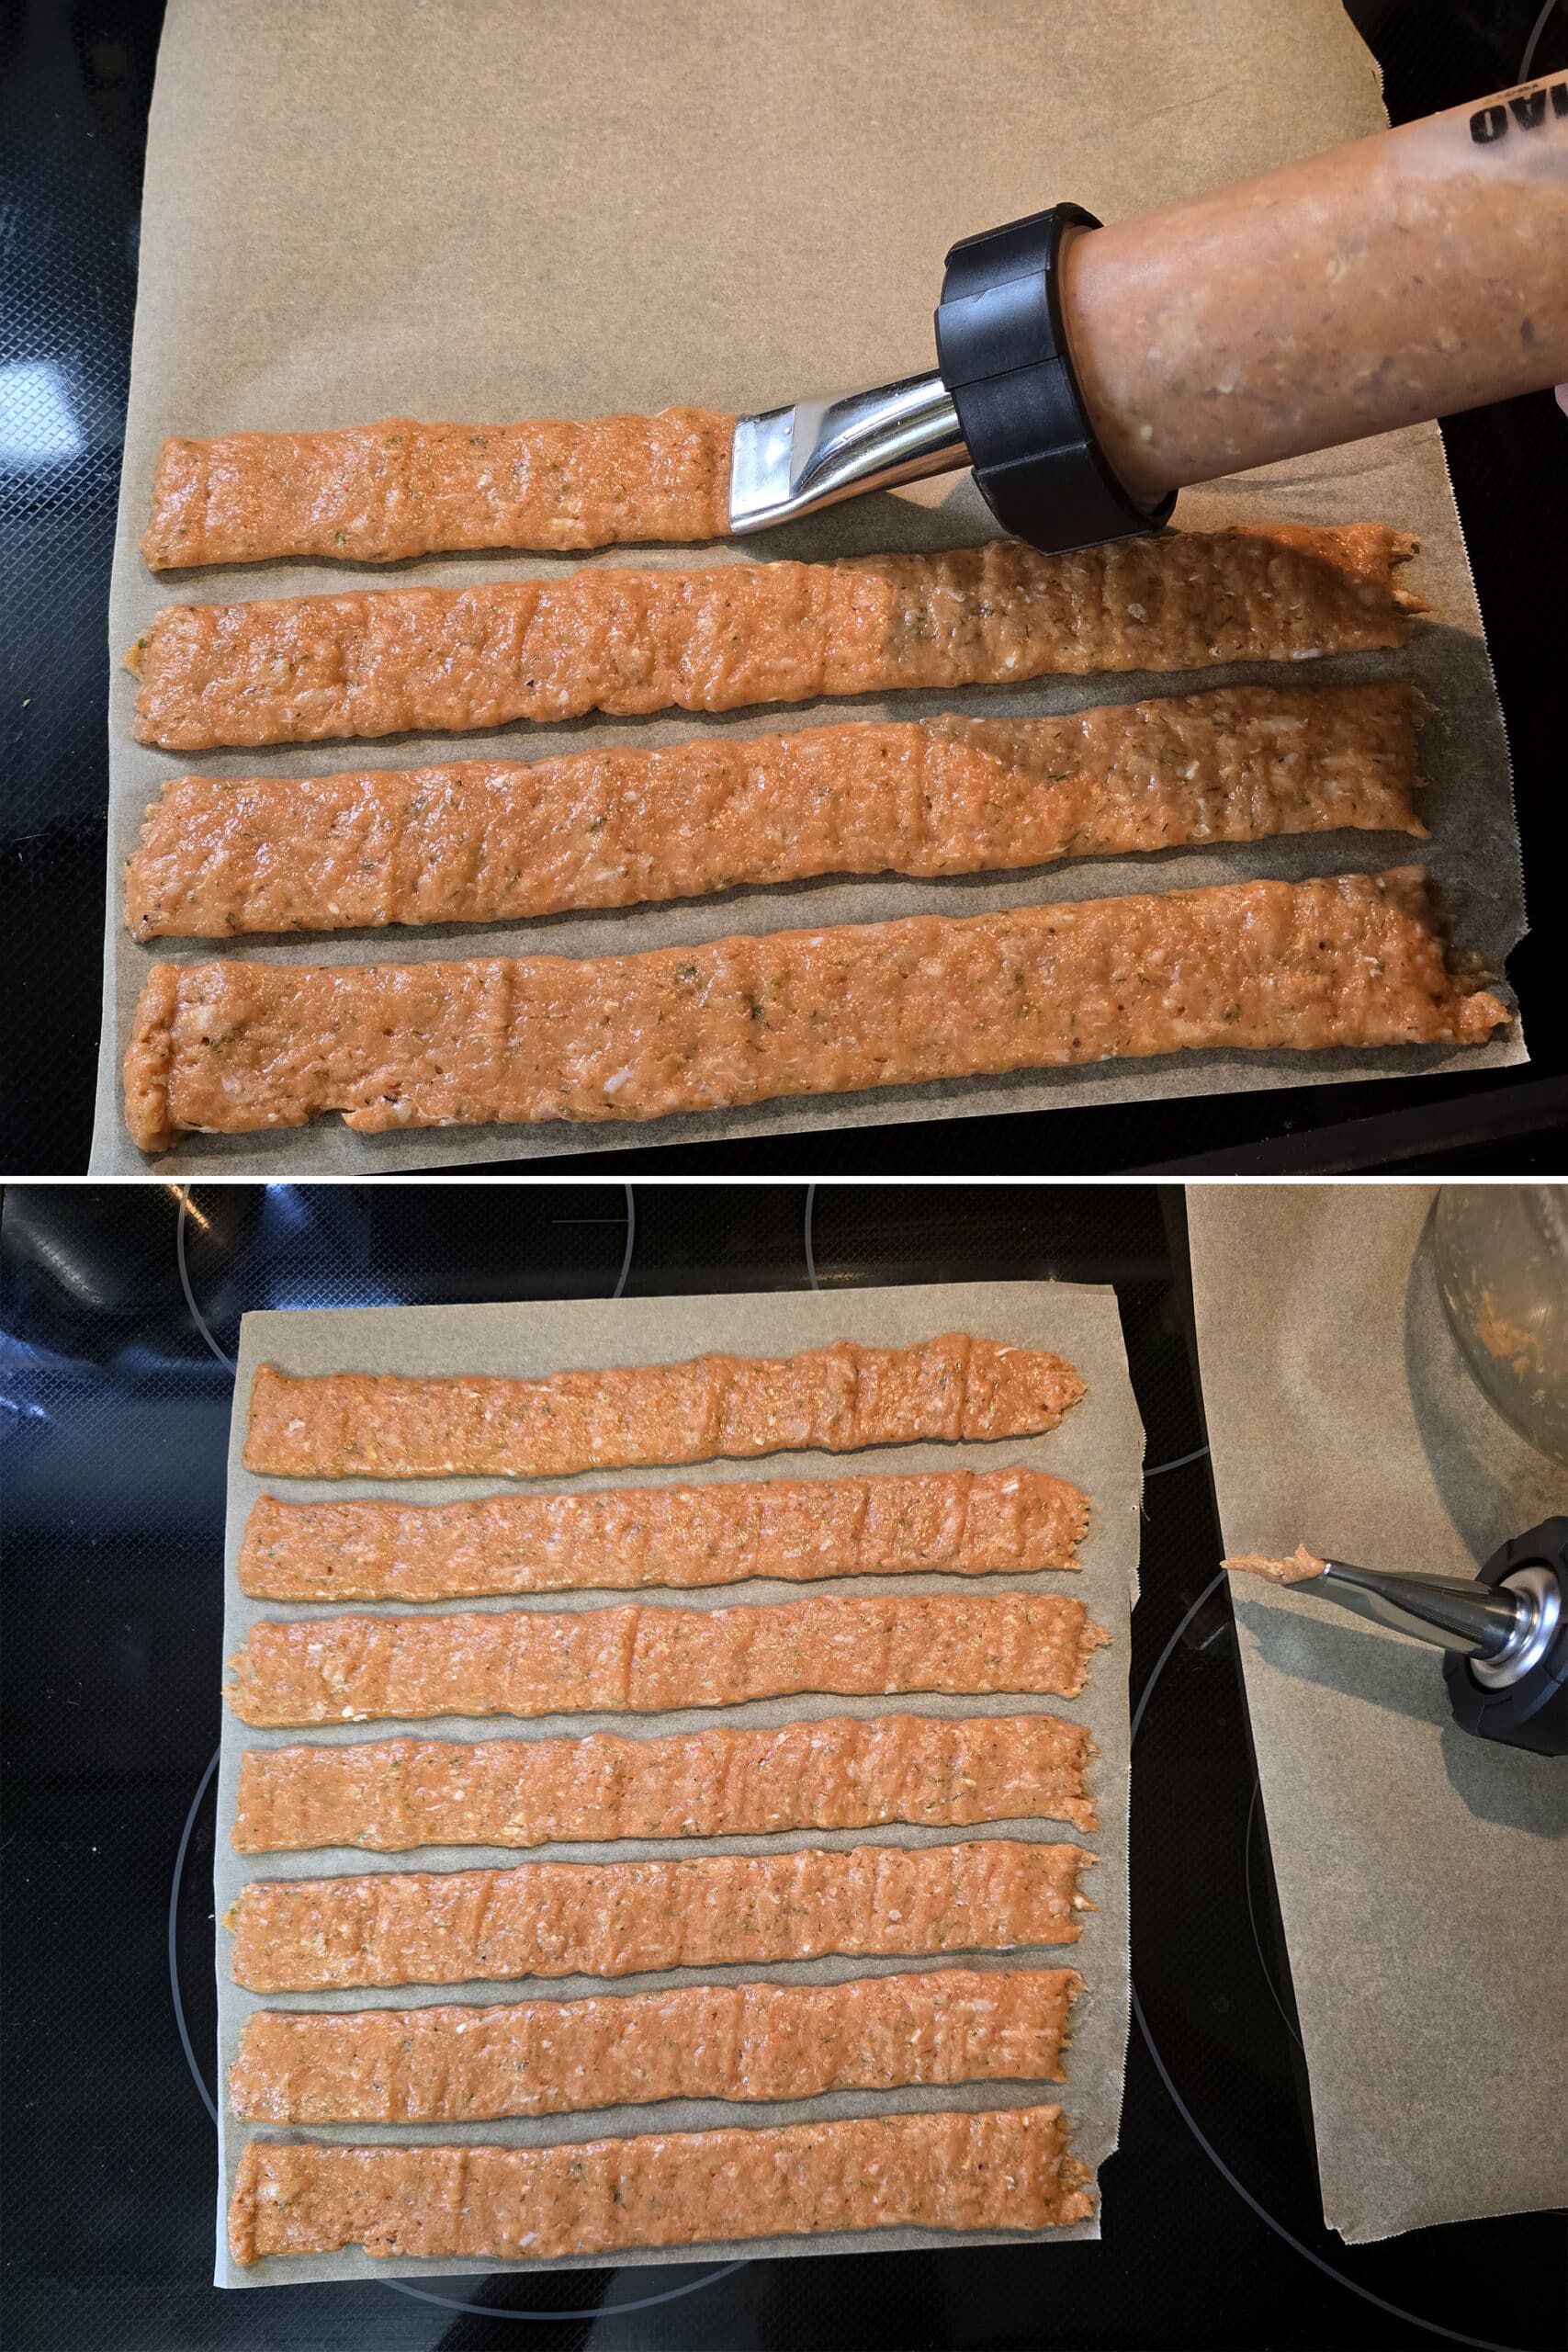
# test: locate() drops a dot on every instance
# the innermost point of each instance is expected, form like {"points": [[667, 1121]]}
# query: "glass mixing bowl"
{"points": [[1501, 1257]]}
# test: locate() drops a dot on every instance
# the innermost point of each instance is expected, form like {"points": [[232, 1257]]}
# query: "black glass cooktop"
{"points": [[116, 1324], [75, 77]]}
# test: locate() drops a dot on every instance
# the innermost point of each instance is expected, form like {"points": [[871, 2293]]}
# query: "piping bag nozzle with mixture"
{"points": [[1088, 373], [1504, 1635]]}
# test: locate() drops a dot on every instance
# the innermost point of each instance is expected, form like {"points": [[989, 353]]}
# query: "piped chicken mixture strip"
{"points": [[835, 1399], [1300, 1569], [731, 2041], [1005, 2169], [377, 494], [491, 841], [1353, 960], [647, 1660], [623, 1918], [960, 1523], [388, 661], [838, 1774]]}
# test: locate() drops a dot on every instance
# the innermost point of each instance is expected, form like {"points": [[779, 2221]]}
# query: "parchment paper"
{"points": [[1420, 1869], [465, 208], [1099, 1447]]}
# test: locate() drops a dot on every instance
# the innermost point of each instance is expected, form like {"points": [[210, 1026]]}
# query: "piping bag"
{"points": [[1505, 1636], [1088, 373]]}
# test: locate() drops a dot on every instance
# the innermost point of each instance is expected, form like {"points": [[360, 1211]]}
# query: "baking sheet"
{"points": [[1420, 1870], [1099, 1447], [463, 209]]}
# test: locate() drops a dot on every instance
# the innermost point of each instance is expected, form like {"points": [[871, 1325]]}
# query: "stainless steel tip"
{"points": [[1501, 1627], [794, 460]]}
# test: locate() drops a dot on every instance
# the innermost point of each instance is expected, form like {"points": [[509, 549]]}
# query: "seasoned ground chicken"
{"points": [[734, 2041], [1004, 2169], [1300, 1569], [837, 1399], [621, 1919], [646, 1660], [962, 1522], [376, 493], [841, 1773], [488, 841], [1355, 959], [392, 660]]}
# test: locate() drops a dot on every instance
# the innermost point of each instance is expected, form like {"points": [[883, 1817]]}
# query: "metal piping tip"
{"points": [[1451, 1612], [792, 461]]}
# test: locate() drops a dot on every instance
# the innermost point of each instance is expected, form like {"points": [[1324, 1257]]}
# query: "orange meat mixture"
{"points": [[1004, 2169], [838, 1398], [491, 841], [1353, 960], [377, 494], [646, 1660], [370, 662], [962, 1522], [621, 1919], [1300, 1569], [731, 2042], [837, 1774]]}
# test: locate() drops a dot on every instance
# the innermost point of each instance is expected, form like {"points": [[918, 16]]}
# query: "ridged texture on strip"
{"points": [[388, 662], [1353, 960], [995, 2170], [620, 1918], [960, 1523], [377, 494], [837, 1774], [733, 2041], [834, 1399], [646, 1660], [491, 841]]}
